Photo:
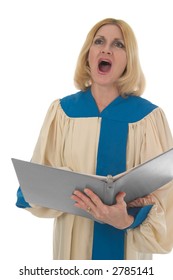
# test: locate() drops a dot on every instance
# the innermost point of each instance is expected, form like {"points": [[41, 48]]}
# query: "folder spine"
{"points": [[108, 193]]}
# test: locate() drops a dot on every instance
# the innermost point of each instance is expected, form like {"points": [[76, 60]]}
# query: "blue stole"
{"points": [[108, 242]]}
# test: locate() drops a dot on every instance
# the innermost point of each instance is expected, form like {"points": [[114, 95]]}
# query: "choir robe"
{"points": [[128, 132]]}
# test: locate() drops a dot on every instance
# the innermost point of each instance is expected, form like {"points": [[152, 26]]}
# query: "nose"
{"points": [[106, 51]]}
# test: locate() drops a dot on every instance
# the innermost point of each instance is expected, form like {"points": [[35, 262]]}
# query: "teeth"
{"points": [[105, 63]]}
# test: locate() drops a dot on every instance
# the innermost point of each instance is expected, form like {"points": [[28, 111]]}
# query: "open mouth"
{"points": [[104, 66]]}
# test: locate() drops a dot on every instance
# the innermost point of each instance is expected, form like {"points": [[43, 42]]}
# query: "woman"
{"points": [[107, 128]]}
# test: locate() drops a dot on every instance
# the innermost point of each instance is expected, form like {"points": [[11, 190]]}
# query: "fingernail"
{"points": [[86, 190]]}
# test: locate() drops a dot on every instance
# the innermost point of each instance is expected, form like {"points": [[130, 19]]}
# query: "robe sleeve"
{"points": [[147, 139], [47, 151]]}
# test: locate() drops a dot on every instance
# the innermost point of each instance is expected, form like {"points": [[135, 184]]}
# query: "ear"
{"points": [[88, 83]]}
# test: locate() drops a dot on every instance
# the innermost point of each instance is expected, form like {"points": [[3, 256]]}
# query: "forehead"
{"points": [[110, 30]]}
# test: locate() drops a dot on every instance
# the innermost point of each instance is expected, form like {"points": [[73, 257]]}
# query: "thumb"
{"points": [[120, 197]]}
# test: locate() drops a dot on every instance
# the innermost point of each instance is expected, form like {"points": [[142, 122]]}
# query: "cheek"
{"points": [[122, 62], [124, 59], [92, 58]]}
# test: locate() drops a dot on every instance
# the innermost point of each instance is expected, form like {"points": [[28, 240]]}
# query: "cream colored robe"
{"points": [[72, 143]]}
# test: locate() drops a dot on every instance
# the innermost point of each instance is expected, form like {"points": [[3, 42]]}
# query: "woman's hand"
{"points": [[142, 201], [115, 215]]}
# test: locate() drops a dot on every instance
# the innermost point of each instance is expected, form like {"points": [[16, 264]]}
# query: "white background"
{"points": [[39, 45]]}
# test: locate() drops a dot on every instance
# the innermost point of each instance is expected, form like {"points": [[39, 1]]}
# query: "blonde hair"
{"points": [[132, 81]]}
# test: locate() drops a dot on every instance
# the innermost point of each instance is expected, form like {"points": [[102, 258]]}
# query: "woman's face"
{"points": [[107, 56]]}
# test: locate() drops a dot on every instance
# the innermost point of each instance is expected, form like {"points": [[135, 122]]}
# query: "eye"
{"points": [[98, 41], [119, 44]]}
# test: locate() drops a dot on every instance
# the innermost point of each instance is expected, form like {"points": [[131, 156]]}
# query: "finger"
{"points": [[120, 197], [142, 201], [76, 198], [83, 201], [79, 202], [93, 197], [133, 204], [150, 199], [139, 202], [82, 196]]}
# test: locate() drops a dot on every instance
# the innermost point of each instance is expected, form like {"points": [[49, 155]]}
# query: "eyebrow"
{"points": [[101, 36]]}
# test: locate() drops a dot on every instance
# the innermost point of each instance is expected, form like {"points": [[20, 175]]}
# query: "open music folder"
{"points": [[52, 187]]}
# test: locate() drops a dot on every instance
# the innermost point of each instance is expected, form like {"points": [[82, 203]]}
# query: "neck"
{"points": [[104, 96]]}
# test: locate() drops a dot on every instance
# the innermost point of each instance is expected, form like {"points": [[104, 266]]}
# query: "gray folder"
{"points": [[52, 187]]}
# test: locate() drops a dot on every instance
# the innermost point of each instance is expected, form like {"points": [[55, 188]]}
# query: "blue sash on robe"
{"points": [[108, 242]]}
